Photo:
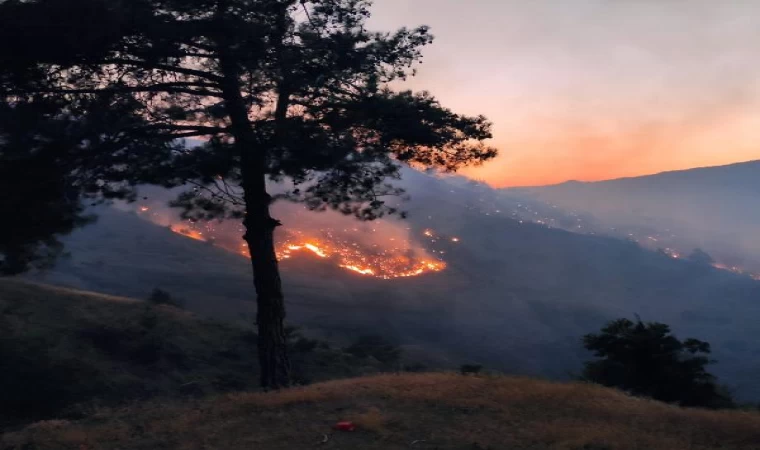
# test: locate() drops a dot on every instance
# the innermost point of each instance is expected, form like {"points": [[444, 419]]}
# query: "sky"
{"points": [[594, 89]]}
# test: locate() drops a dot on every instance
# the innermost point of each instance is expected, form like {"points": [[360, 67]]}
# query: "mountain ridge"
{"points": [[755, 163]]}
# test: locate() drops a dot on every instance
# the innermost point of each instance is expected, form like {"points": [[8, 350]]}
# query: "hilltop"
{"points": [[422, 411]]}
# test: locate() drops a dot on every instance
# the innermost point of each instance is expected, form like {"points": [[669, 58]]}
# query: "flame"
{"points": [[316, 250], [188, 232], [400, 259], [378, 262], [359, 270]]}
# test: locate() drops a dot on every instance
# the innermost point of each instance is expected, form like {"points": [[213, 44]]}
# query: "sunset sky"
{"points": [[595, 89]]}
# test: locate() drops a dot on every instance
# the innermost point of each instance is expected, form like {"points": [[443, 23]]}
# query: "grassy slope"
{"points": [[515, 298], [62, 348], [425, 411]]}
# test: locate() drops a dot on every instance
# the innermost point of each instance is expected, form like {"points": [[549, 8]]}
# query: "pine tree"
{"points": [[277, 90]]}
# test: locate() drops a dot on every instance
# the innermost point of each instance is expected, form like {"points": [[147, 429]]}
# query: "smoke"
{"points": [[385, 249], [711, 208]]}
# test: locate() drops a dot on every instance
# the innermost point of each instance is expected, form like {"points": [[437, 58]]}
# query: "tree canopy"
{"points": [[647, 360], [52, 160], [311, 81], [298, 92]]}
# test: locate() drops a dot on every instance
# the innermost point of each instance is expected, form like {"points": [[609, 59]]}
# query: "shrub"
{"points": [[375, 347], [647, 360], [298, 343], [470, 369], [161, 297]]}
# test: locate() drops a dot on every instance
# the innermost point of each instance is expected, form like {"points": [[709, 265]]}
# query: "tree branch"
{"points": [[192, 134], [168, 68], [169, 88], [200, 129]]}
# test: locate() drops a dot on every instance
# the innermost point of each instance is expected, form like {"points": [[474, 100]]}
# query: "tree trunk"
{"points": [[260, 226], [270, 317]]}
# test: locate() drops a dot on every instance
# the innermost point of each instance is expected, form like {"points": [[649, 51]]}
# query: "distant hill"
{"points": [[420, 411], [516, 296], [714, 207]]}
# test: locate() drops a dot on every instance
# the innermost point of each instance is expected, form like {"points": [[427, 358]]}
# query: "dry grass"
{"points": [[426, 411], [64, 352], [371, 420]]}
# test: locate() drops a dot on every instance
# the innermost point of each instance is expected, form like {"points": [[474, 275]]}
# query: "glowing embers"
{"points": [[394, 258], [314, 248], [375, 253], [188, 232]]}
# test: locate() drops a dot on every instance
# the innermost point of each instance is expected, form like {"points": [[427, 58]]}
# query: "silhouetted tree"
{"points": [[51, 160], [37, 201], [282, 90], [647, 360]]}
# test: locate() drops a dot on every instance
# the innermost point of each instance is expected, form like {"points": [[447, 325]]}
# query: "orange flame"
{"points": [[187, 232], [399, 261]]}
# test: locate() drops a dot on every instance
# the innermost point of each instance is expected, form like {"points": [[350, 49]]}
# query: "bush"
{"points": [[143, 343], [470, 369], [298, 343], [375, 347], [647, 360], [161, 297]]}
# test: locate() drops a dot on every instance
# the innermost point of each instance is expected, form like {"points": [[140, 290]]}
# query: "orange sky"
{"points": [[594, 89]]}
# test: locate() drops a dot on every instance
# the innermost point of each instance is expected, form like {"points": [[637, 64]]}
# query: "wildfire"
{"points": [[188, 232], [359, 270], [737, 270], [398, 259]]}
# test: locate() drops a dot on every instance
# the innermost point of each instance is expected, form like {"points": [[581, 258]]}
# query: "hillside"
{"points": [[65, 351], [423, 411], [712, 207], [515, 296]]}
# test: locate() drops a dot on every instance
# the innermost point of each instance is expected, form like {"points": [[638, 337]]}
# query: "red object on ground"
{"points": [[345, 426]]}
